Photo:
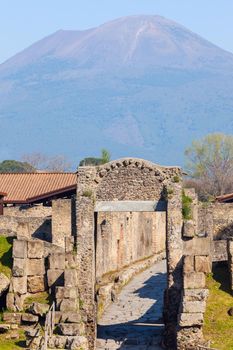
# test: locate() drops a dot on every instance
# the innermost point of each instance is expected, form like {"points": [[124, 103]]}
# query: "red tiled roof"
{"points": [[2, 194], [29, 187]]}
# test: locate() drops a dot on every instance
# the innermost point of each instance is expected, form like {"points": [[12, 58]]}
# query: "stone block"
{"points": [[189, 229], [66, 292], [19, 249], [70, 317], [4, 283], [194, 306], [196, 245], [195, 294], [188, 264], [202, 264], [36, 267], [36, 343], [77, 343], [36, 284], [19, 267], [32, 333], [71, 279], [39, 309], [19, 301], [67, 305], [194, 280], [35, 249], [29, 318], [10, 301], [55, 278], [57, 261], [19, 285], [12, 317], [4, 328], [69, 244], [190, 319], [57, 342], [71, 328], [70, 261]]}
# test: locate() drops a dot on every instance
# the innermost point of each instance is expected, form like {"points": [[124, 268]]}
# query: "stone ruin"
{"points": [[67, 268]]}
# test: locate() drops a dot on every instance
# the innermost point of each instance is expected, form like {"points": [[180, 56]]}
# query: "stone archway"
{"points": [[131, 180]]}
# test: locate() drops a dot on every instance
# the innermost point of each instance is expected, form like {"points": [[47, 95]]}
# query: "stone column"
{"points": [[86, 251], [193, 303], [174, 262]]}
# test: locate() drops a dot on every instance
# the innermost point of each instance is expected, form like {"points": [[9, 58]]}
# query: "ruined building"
{"points": [[125, 211]]}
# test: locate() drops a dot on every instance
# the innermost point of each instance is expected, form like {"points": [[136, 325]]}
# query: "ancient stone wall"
{"points": [[221, 215], [193, 301], [127, 180], [38, 211], [28, 273], [216, 222], [27, 227], [126, 237], [63, 221]]}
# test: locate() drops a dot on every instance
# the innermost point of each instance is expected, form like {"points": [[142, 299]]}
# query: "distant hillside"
{"points": [[140, 86]]}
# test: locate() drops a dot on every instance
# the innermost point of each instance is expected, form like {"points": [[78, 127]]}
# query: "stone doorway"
{"points": [[130, 237], [123, 182]]}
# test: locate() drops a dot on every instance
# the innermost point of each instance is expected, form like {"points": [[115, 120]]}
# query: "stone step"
{"points": [[12, 317], [67, 317]]}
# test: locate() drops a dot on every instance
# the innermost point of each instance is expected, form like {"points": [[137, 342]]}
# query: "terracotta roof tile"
{"points": [[20, 187]]}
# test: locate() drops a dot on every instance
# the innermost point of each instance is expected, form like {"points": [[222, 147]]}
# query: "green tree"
{"points": [[210, 163], [14, 166], [94, 161], [105, 156], [90, 161]]}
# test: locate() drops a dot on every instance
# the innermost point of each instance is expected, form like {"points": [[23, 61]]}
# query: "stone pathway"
{"points": [[134, 321]]}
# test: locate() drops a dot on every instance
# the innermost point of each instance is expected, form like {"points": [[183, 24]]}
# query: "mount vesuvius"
{"points": [[140, 86]]}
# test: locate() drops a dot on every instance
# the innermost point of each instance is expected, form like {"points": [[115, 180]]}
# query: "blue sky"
{"points": [[22, 22]]}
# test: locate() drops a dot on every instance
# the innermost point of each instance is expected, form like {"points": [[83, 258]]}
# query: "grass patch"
{"points": [[218, 324], [6, 255], [7, 344], [42, 298]]}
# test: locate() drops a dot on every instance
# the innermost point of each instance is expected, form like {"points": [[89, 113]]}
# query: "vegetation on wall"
{"points": [[186, 206]]}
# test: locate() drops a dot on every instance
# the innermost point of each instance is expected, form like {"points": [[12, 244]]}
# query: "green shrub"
{"points": [[186, 207], [6, 255], [87, 193], [176, 179]]}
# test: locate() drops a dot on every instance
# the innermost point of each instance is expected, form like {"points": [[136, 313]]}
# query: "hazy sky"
{"points": [[23, 22]]}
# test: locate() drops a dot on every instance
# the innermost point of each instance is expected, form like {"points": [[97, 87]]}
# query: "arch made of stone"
{"points": [[128, 179]]}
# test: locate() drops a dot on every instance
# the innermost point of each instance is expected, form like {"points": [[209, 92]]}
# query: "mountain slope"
{"points": [[142, 86]]}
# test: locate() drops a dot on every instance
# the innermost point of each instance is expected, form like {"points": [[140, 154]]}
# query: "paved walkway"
{"points": [[134, 321]]}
